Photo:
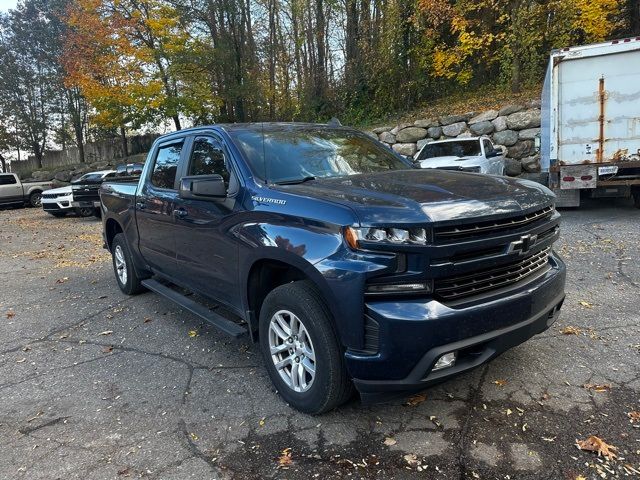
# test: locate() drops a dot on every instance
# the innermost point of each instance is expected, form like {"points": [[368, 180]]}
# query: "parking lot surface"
{"points": [[94, 384]]}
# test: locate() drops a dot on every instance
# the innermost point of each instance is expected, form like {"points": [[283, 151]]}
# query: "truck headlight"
{"points": [[390, 236]]}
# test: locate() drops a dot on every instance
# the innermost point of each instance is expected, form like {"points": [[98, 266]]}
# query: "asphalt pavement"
{"points": [[97, 385]]}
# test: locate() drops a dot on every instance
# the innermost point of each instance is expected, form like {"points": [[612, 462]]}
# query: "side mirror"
{"points": [[203, 187], [493, 153]]}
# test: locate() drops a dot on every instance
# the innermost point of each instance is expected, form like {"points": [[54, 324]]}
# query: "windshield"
{"points": [[468, 148], [298, 154], [91, 177]]}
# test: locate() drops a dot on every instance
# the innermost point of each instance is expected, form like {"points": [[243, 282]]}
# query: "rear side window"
{"points": [[166, 166], [208, 158], [7, 180]]}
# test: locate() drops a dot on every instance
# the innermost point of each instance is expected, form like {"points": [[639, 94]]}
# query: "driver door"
{"points": [[495, 159], [207, 252]]}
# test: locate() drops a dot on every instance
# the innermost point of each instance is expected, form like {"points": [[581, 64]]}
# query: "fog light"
{"points": [[445, 361]]}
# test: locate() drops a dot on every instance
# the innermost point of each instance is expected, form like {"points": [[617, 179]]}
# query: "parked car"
{"points": [[85, 191], [57, 201], [346, 264], [474, 154], [14, 191]]}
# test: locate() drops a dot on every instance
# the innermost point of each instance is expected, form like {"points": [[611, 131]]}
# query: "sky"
{"points": [[7, 4]]}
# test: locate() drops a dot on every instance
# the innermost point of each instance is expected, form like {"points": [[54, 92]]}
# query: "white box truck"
{"points": [[590, 125]]}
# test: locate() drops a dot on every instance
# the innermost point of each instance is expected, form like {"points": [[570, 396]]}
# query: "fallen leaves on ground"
{"points": [[11, 314], [285, 460], [147, 319], [193, 333], [500, 382], [411, 459], [596, 444], [415, 400], [634, 417], [107, 349], [62, 280], [193, 436], [571, 330], [389, 441], [106, 332], [600, 388], [586, 304]]}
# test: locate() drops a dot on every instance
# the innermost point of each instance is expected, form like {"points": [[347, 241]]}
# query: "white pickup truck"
{"points": [[14, 191]]}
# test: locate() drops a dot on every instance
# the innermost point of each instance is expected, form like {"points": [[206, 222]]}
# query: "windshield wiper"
{"points": [[296, 181]]}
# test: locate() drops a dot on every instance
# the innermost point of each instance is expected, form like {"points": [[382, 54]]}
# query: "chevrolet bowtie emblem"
{"points": [[523, 245]]}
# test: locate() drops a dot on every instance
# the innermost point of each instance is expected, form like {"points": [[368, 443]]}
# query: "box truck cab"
{"points": [[590, 135]]}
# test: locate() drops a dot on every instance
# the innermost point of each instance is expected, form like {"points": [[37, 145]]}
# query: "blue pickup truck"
{"points": [[348, 266]]}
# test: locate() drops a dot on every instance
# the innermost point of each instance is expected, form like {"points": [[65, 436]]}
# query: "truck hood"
{"points": [[60, 190], [419, 196], [450, 161]]}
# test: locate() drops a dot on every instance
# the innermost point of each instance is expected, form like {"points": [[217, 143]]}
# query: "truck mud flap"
{"points": [[218, 321]]}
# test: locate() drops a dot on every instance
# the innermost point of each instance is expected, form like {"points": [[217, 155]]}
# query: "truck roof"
{"points": [[253, 126], [601, 48], [463, 139]]}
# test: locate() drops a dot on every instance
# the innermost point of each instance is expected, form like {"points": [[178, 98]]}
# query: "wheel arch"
{"points": [[265, 273]]}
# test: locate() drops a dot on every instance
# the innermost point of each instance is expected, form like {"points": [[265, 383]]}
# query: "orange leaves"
{"points": [[596, 444], [285, 460], [415, 400]]}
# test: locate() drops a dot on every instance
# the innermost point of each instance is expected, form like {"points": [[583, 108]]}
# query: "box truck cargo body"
{"points": [[590, 125]]}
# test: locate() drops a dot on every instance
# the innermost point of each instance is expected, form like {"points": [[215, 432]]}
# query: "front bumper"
{"points": [[86, 204], [413, 334], [59, 204]]}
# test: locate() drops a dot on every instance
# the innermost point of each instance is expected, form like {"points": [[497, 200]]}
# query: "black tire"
{"points": [[331, 386], [635, 193], [35, 199], [97, 213], [131, 284], [84, 211]]}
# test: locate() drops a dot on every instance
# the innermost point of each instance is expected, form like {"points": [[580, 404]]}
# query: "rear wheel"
{"points": [[301, 349], [126, 275], [84, 212], [35, 199]]}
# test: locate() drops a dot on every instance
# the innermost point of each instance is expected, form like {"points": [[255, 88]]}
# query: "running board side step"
{"points": [[218, 321]]}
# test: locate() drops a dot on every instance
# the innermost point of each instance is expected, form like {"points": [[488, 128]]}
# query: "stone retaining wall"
{"points": [[513, 127]]}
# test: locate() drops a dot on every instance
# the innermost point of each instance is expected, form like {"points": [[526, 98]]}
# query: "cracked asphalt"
{"points": [[94, 384]]}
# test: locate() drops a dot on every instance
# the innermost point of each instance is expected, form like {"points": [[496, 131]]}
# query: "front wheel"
{"points": [[635, 193], [126, 275], [301, 349], [35, 199]]}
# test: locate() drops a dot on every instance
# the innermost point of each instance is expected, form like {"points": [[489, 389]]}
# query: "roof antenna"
{"points": [[334, 122]]}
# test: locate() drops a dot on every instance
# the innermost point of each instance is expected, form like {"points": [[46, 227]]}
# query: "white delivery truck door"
{"points": [[580, 108]]}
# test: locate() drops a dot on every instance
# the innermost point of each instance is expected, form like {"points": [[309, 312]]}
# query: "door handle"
{"points": [[180, 212]]}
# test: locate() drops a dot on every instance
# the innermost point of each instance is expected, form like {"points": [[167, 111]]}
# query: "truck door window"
{"points": [[488, 148], [166, 166], [207, 158], [7, 180]]}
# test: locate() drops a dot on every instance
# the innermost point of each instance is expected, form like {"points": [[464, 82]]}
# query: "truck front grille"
{"points": [[452, 233], [459, 287]]}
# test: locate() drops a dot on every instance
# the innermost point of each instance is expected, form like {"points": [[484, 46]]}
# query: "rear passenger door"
{"points": [[155, 205], [10, 189], [206, 251]]}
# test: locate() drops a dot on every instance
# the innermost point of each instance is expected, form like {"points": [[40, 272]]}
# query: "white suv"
{"points": [[57, 201]]}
